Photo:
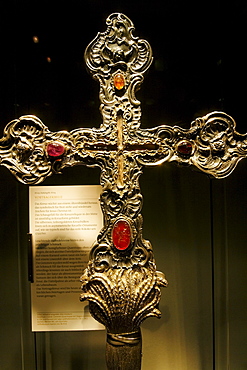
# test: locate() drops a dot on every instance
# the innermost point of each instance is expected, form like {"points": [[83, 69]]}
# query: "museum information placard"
{"points": [[64, 223]]}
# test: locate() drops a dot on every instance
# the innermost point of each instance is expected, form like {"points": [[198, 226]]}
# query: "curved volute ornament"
{"points": [[121, 282]]}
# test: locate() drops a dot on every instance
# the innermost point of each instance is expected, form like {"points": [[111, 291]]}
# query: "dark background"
{"points": [[196, 225], [199, 51]]}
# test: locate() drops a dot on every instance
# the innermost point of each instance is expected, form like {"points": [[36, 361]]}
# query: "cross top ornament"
{"points": [[121, 282]]}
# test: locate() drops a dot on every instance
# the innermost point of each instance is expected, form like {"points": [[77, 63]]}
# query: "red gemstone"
{"points": [[121, 235], [55, 149], [184, 147]]}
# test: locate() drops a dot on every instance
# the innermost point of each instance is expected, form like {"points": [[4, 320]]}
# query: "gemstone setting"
{"points": [[185, 148], [55, 149], [121, 235], [119, 81]]}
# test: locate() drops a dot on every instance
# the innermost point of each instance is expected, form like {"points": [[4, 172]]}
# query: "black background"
{"points": [[199, 65]]}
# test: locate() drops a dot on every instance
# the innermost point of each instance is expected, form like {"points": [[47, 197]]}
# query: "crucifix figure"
{"points": [[121, 282]]}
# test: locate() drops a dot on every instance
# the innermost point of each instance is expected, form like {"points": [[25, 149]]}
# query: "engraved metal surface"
{"points": [[122, 285]]}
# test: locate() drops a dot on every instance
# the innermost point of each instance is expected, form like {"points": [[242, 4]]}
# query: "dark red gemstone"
{"points": [[55, 149], [121, 235], [184, 147]]}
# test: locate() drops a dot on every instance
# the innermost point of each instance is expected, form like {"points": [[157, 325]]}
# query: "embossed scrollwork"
{"points": [[121, 282]]}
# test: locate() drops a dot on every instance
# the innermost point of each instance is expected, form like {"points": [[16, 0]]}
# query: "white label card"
{"points": [[64, 223]]}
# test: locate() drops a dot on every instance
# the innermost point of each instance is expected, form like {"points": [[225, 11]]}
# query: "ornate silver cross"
{"points": [[121, 282]]}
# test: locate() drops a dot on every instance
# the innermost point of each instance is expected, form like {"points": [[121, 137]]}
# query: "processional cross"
{"points": [[121, 282]]}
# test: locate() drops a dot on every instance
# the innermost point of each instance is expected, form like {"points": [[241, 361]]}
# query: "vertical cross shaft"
{"points": [[120, 148], [121, 282]]}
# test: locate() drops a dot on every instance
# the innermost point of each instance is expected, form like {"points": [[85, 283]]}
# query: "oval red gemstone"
{"points": [[55, 149], [121, 235], [184, 147]]}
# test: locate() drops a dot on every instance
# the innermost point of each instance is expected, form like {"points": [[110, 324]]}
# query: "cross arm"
{"points": [[32, 153], [211, 144]]}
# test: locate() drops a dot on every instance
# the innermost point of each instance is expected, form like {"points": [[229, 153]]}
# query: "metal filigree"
{"points": [[121, 285]]}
